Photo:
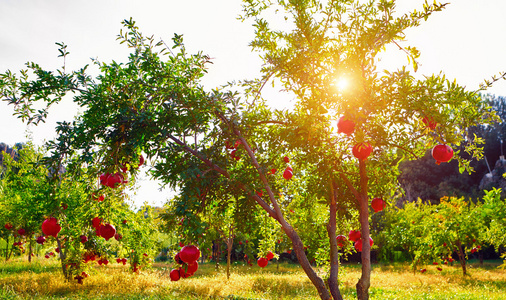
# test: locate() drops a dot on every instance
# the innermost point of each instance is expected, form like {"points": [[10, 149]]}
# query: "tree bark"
{"points": [[365, 280], [62, 259], [30, 250], [462, 258], [334, 254]]}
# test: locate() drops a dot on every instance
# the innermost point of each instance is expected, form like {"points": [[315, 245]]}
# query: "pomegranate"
{"points": [[354, 235], [423, 271], [83, 238], [362, 150], [378, 204], [341, 240], [21, 231], [96, 222], [442, 153], [189, 253], [41, 240], [8, 226], [262, 262], [286, 159], [174, 275], [107, 231], [439, 269], [270, 255], [287, 174], [192, 267], [141, 160], [51, 227], [273, 171], [346, 126], [358, 244]]}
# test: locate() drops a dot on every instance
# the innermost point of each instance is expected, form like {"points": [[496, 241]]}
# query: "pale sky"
{"points": [[467, 41]]}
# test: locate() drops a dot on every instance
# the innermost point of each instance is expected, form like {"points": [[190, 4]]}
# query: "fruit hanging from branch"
{"points": [[288, 173], [362, 150], [262, 262], [378, 204], [358, 244], [354, 235], [51, 227], [341, 240], [107, 231], [442, 153], [345, 125]]}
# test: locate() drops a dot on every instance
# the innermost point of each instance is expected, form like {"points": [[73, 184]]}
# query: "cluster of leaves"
{"points": [[435, 233]]}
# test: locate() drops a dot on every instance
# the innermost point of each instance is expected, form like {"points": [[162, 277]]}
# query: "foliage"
{"points": [[154, 104], [434, 233]]}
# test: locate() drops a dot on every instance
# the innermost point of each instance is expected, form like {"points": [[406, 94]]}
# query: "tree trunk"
{"points": [[62, 260], [462, 257], [298, 247], [7, 248], [229, 252], [333, 281], [365, 280], [30, 250]]}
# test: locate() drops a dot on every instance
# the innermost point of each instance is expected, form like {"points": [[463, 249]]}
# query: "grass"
{"points": [[42, 279]]}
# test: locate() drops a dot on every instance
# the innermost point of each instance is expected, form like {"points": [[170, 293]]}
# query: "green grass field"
{"points": [[42, 279]]}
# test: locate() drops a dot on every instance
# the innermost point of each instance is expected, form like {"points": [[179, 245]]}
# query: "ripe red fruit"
{"points": [[354, 235], [346, 126], [273, 171], [435, 263], [450, 260], [262, 262], [439, 269], [124, 260], [270, 255], [21, 231], [174, 275], [46, 256], [96, 222], [57, 250], [192, 267], [107, 231], [141, 160], [118, 237], [362, 150], [183, 273], [423, 270], [341, 240], [444, 244], [240, 243], [442, 153], [51, 227], [286, 159], [289, 251], [181, 244], [287, 174], [41, 240], [246, 241], [429, 122], [64, 206], [474, 250], [378, 204], [358, 244], [260, 194], [8, 226], [145, 254], [189, 253], [124, 221]]}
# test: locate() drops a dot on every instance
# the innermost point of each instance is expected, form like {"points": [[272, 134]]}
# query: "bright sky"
{"points": [[467, 41]]}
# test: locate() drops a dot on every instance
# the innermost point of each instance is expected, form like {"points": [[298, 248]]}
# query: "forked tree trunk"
{"points": [[62, 260]]}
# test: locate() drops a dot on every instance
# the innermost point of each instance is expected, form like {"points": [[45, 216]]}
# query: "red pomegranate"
{"points": [[51, 227], [362, 150], [358, 244], [346, 126], [262, 262], [192, 267], [107, 231], [270, 255], [21, 231], [189, 253], [8, 226], [286, 159], [287, 174], [354, 235], [96, 222], [378, 204], [83, 238], [341, 240], [442, 153], [174, 275], [41, 240]]}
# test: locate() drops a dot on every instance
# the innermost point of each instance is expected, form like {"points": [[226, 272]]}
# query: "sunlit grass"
{"points": [[42, 279]]}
